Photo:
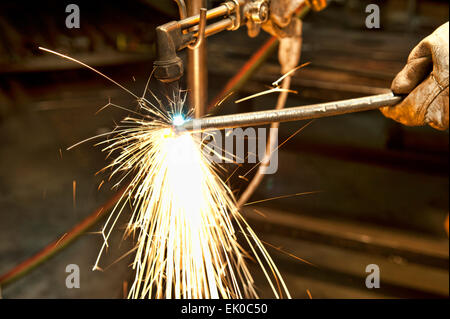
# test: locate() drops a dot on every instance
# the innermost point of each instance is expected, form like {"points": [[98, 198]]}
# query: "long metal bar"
{"points": [[214, 28], [217, 27], [296, 113], [197, 76]]}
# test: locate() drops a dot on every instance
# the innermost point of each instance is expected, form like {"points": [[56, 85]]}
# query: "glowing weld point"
{"points": [[178, 120]]}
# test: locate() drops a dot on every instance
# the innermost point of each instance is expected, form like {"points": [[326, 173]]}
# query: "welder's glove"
{"points": [[282, 21], [425, 79]]}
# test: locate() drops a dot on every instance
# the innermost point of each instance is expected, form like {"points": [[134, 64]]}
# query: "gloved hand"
{"points": [[427, 99]]}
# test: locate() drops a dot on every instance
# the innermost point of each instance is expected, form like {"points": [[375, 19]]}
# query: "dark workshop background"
{"points": [[384, 186]]}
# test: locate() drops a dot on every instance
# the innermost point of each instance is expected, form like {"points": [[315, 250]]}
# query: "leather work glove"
{"points": [[424, 79], [282, 21]]}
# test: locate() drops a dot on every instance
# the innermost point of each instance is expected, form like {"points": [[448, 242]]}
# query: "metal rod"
{"points": [[201, 30], [296, 113], [181, 8], [210, 14], [214, 28], [217, 12], [218, 26], [197, 76]]}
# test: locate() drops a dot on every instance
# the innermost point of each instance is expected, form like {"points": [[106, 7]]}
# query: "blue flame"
{"points": [[178, 119]]}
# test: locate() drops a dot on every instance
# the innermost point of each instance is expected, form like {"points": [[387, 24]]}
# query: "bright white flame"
{"points": [[178, 120]]}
